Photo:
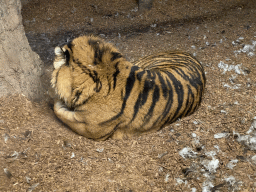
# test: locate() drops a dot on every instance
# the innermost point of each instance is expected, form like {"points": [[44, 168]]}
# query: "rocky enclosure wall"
{"points": [[20, 67]]}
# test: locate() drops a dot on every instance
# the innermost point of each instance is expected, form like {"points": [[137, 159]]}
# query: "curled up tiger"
{"points": [[99, 94]]}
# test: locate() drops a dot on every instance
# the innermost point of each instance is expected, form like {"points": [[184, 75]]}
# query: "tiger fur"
{"points": [[100, 94]]}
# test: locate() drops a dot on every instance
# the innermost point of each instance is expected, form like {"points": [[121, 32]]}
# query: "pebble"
{"points": [[161, 155], [167, 177], [6, 137], [8, 173], [187, 153], [220, 135], [32, 187], [100, 150], [27, 179], [232, 164], [254, 159]]}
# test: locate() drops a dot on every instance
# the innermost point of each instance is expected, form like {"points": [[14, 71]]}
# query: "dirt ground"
{"points": [[211, 150]]}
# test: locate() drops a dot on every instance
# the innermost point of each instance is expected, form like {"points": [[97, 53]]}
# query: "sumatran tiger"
{"points": [[100, 94]]}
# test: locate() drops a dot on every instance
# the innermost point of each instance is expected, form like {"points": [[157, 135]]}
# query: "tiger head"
{"points": [[81, 68]]}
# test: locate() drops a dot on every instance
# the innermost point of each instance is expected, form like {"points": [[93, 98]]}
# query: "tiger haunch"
{"points": [[101, 94]]}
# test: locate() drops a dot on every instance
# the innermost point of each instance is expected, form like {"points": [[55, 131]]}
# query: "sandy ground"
{"points": [[211, 150]]}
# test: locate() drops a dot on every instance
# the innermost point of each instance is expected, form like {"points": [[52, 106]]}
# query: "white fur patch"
{"points": [[58, 64], [59, 105], [58, 51], [60, 57]]}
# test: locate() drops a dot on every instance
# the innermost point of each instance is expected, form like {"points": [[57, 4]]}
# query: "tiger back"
{"points": [[100, 94]]}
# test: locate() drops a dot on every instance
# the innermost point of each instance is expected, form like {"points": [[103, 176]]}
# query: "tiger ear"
{"points": [[59, 57], [58, 51]]}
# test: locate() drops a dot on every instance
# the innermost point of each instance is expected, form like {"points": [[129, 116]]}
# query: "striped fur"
{"points": [[102, 95]]}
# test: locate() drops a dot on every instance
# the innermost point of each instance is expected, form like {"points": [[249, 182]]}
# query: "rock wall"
{"points": [[20, 67], [24, 2]]}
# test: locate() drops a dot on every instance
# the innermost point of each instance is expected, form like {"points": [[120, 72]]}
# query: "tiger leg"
{"points": [[71, 118], [68, 117], [119, 135]]}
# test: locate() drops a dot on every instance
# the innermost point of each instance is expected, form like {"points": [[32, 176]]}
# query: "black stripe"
{"points": [[163, 85], [190, 102], [155, 98], [78, 63], [167, 91], [67, 56], [136, 107], [130, 82], [77, 95], [115, 74], [83, 103], [194, 80], [148, 86], [129, 85], [70, 45], [115, 55], [110, 133], [168, 104], [76, 98], [122, 94], [96, 79], [93, 74], [98, 56], [109, 84], [179, 90], [98, 52], [140, 75]]}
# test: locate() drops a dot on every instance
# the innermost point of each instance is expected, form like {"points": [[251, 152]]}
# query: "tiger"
{"points": [[101, 95]]}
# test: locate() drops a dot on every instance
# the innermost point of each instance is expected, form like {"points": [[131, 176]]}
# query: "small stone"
{"points": [[8, 173], [253, 125], [100, 150], [167, 177], [6, 137], [32, 187], [28, 179], [161, 155], [236, 103], [66, 144], [187, 153], [27, 133], [254, 159], [232, 163], [220, 135]]}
